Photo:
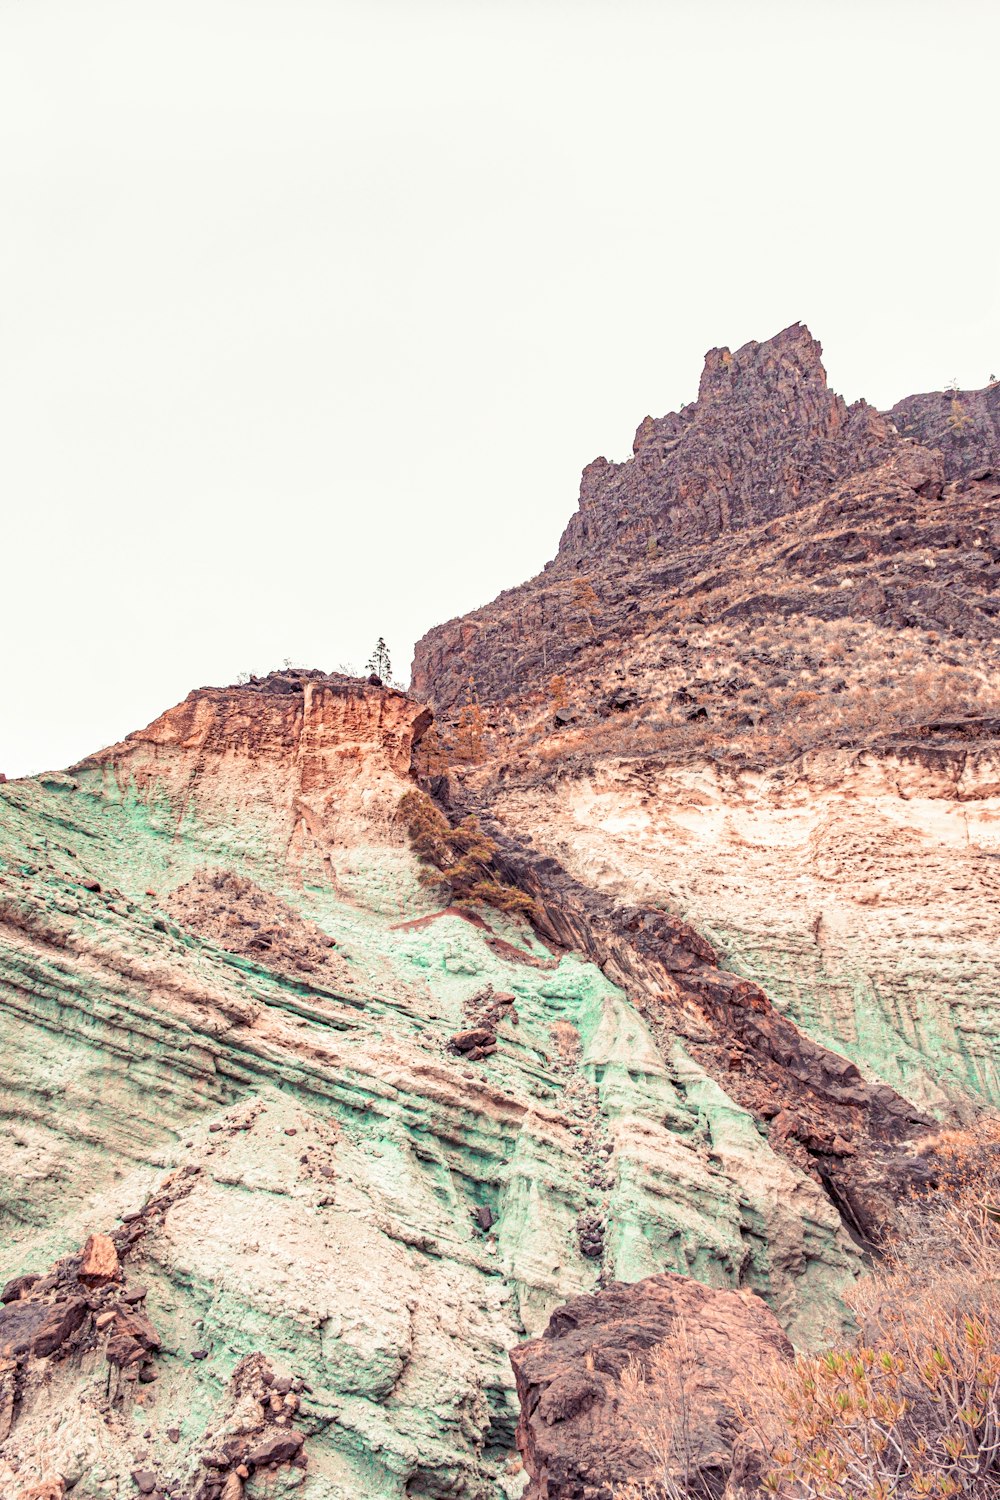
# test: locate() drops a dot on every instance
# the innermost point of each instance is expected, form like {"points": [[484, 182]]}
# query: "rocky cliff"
{"points": [[767, 500], [229, 1010], [317, 1183], [758, 690]]}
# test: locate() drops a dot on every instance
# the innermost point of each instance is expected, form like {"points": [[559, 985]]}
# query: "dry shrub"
{"points": [[659, 1398], [916, 1415], [565, 1040], [912, 1408], [458, 859], [801, 699]]}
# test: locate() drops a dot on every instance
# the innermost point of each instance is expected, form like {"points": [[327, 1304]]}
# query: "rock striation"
{"points": [[319, 1184], [233, 1024]]}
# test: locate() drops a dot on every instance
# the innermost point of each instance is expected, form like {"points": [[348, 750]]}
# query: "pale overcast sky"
{"points": [[312, 313]]}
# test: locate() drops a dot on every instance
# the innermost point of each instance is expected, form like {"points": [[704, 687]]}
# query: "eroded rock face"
{"points": [[964, 425], [857, 891], [585, 1431], [747, 724], [309, 1171]]}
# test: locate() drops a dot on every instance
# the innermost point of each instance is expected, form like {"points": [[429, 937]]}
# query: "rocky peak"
{"points": [[765, 436], [792, 358]]}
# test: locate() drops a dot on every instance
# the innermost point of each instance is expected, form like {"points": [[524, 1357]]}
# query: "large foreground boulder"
{"points": [[637, 1378]]}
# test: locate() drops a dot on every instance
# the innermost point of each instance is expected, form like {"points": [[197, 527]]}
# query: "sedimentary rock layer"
{"points": [[216, 958]]}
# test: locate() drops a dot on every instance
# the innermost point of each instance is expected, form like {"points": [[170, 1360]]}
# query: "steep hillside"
{"points": [[759, 689], [307, 1161], [231, 1037]]}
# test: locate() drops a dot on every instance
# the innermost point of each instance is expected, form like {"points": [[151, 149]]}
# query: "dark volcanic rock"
{"points": [[965, 425], [765, 439], [276, 1450], [583, 1432], [765, 436], [766, 498]]}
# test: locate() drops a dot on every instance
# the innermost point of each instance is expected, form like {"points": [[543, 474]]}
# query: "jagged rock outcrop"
{"points": [[766, 499], [765, 436], [964, 425], [776, 718], [636, 1380]]}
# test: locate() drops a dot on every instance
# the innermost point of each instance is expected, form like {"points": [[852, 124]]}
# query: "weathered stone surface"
{"points": [[467, 1041], [100, 1261], [133, 1336], [370, 1208], [17, 1288], [582, 1432], [39, 1328], [277, 1449], [964, 425]]}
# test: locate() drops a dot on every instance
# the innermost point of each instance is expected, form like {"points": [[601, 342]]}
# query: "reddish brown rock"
{"points": [[100, 1262], [469, 1041], [39, 1328], [134, 1337], [591, 1386], [277, 1449], [965, 425]]}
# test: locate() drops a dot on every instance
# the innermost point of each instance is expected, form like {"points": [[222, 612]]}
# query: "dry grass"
{"points": [[566, 1041], [768, 691], [909, 1409]]}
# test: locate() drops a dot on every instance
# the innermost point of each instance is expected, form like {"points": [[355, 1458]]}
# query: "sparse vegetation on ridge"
{"points": [[458, 858]]}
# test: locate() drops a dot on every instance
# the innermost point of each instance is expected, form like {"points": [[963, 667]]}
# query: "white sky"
{"points": [[311, 314]]}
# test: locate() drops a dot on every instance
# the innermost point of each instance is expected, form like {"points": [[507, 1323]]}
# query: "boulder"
{"points": [[39, 1328], [610, 1367], [469, 1041], [277, 1449]]}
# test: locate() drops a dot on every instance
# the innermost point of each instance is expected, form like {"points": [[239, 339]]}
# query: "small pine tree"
{"points": [[378, 663], [558, 693]]}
